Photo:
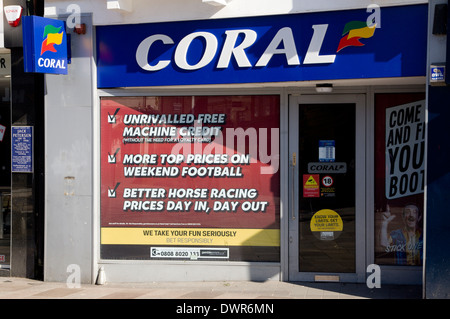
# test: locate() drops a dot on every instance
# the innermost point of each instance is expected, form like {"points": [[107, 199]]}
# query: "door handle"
{"points": [[293, 164]]}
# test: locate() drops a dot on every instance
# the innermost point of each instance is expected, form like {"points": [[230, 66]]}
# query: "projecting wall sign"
{"points": [[45, 45]]}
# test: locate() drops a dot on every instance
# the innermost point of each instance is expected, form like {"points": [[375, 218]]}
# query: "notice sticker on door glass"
{"points": [[327, 151], [326, 224], [311, 185]]}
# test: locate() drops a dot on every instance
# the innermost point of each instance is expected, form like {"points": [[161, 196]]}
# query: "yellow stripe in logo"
{"points": [[55, 38], [366, 32]]}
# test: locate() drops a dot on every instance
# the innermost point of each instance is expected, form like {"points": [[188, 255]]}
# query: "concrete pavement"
{"points": [[20, 288]]}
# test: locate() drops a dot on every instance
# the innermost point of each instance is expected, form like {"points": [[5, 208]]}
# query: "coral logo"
{"points": [[353, 32], [52, 36]]}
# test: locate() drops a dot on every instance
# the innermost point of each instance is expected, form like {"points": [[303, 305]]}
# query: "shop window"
{"points": [[190, 178], [399, 178]]}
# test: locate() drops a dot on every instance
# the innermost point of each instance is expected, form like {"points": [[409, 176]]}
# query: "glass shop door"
{"points": [[327, 188]]}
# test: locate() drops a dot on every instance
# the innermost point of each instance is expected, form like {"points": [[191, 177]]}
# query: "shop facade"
{"points": [[248, 146]]}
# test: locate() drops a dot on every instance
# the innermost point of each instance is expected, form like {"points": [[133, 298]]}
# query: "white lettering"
{"points": [[230, 49], [144, 48], [183, 47], [51, 63], [282, 43], [284, 35], [312, 55]]}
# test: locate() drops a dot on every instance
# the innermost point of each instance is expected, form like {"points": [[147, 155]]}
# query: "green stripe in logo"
{"points": [[354, 25], [50, 29]]}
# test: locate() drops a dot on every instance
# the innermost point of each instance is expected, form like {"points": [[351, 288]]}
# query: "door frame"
{"points": [[294, 185]]}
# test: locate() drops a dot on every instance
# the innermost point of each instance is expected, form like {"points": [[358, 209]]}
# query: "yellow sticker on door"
{"points": [[326, 220]]}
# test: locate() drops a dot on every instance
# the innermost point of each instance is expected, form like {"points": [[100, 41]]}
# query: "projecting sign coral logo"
{"points": [[52, 36]]}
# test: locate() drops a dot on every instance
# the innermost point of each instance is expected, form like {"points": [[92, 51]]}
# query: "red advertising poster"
{"points": [[179, 173], [399, 178]]}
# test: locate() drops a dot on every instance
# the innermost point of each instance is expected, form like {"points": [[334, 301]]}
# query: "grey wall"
{"points": [[69, 165]]}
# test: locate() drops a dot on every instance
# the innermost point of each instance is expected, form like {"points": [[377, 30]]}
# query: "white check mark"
{"points": [[112, 192], [112, 158], [112, 118]]}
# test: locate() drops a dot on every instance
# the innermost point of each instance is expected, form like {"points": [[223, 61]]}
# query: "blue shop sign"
{"points": [[44, 45], [294, 47]]}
